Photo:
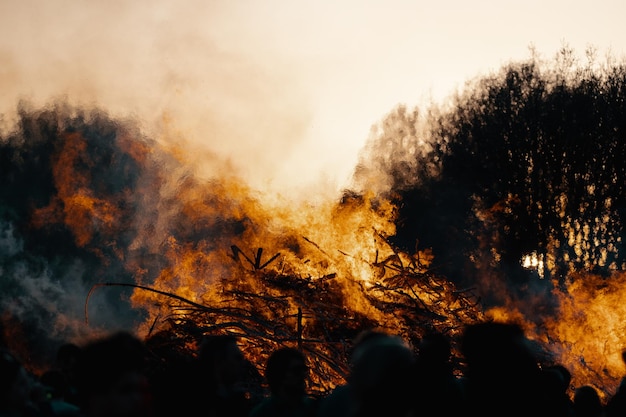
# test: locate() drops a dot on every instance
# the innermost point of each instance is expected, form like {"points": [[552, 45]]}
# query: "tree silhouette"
{"points": [[530, 159]]}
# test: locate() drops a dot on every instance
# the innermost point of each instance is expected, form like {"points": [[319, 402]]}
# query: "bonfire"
{"points": [[311, 313]]}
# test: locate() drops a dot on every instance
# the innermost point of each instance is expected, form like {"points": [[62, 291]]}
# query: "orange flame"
{"points": [[192, 224]]}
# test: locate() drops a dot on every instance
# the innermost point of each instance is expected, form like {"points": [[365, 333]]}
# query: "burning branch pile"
{"points": [[268, 308], [85, 197]]}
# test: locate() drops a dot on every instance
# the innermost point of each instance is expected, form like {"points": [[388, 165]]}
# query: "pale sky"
{"points": [[287, 90]]}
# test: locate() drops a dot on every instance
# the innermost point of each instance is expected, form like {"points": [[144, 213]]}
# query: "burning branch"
{"points": [[257, 258], [267, 308], [120, 284]]}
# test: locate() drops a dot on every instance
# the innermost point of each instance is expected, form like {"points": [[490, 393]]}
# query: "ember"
{"points": [[310, 313]]}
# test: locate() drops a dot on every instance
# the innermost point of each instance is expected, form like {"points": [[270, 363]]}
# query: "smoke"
{"points": [[58, 233], [129, 140], [176, 68], [91, 206], [86, 198]]}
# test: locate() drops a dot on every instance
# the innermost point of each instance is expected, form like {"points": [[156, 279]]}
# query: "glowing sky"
{"points": [[286, 89]]}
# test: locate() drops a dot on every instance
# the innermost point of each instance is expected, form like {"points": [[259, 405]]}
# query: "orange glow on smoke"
{"points": [[591, 330], [587, 334], [80, 210], [311, 241], [215, 238]]}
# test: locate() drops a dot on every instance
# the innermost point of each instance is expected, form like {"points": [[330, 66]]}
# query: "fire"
{"points": [[212, 255], [590, 329], [586, 332], [319, 268]]}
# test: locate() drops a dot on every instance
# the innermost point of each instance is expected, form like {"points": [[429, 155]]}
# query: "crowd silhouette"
{"points": [[115, 376]]}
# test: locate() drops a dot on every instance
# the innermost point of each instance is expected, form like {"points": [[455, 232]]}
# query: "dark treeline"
{"points": [[528, 159]]}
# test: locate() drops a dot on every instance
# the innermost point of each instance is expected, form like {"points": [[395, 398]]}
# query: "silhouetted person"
{"points": [[341, 401], [19, 391], [502, 375], [225, 384], [56, 386], [177, 387], [438, 391], [112, 378], [556, 382], [382, 378], [65, 361], [286, 374], [587, 402]]}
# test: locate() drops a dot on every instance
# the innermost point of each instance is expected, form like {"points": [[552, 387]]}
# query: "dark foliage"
{"points": [[529, 159]]}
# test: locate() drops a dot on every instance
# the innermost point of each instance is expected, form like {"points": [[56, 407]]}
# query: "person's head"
{"points": [[557, 378], [16, 384], [364, 339], [382, 377], [435, 347], [66, 358], [502, 369], [221, 360], [587, 401], [112, 378], [286, 372], [493, 349]]}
